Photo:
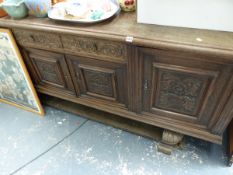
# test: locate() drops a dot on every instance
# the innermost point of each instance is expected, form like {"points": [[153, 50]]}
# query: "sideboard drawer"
{"points": [[37, 39], [94, 48]]}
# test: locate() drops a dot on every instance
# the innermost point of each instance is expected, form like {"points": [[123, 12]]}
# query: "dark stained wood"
{"points": [[81, 46], [224, 109], [94, 47], [37, 39], [155, 36], [134, 80], [99, 79], [183, 88], [49, 70], [174, 125], [176, 78], [230, 144]]}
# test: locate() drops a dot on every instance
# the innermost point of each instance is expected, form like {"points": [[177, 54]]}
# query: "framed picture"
{"points": [[16, 87]]}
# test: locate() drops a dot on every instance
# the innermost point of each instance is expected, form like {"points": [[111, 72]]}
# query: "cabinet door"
{"points": [[183, 87], [101, 80], [49, 71]]}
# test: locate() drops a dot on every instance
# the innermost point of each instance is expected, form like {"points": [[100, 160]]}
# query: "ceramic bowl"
{"points": [[39, 8], [127, 5], [15, 8]]}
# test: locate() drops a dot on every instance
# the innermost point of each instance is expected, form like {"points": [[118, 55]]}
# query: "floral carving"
{"points": [[99, 82], [47, 68], [45, 40], [180, 92], [48, 72], [74, 44], [95, 47]]}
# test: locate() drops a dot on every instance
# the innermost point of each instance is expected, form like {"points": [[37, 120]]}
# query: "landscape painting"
{"points": [[16, 87]]}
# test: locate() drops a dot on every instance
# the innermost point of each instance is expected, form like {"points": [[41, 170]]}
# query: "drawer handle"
{"points": [[32, 37], [146, 83]]}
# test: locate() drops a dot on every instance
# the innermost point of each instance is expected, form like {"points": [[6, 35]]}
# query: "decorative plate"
{"points": [[84, 11]]}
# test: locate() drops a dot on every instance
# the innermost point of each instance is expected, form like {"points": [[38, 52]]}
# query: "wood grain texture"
{"points": [[178, 90], [174, 38], [94, 47], [165, 77], [135, 80], [99, 79], [174, 125], [37, 39], [186, 89], [230, 144], [49, 70]]}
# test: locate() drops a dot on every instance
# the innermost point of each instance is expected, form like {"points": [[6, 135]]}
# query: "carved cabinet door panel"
{"points": [[101, 80], [183, 87], [50, 72]]}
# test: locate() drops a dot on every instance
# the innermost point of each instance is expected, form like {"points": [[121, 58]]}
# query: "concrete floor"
{"points": [[65, 144]]}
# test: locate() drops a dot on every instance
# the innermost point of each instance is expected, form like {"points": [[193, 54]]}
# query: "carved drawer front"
{"points": [[37, 39], [99, 79], [94, 47], [50, 71], [182, 88]]}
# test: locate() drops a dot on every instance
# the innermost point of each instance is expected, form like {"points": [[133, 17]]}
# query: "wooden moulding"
{"points": [[117, 29], [179, 127]]}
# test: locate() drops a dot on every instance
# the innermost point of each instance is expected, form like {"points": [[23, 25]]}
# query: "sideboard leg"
{"points": [[169, 140]]}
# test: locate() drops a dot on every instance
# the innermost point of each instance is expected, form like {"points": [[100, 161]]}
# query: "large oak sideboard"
{"points": [[178, 79]]}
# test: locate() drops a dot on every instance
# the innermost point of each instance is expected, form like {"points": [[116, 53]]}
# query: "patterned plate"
{"points": [[84, 11]]}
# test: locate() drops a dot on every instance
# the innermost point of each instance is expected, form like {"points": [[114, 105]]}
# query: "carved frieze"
{"points": [[180, 92], [46, 68], [38, 39], [75, 44], [94, 47], [99, 82], [48, 72]]}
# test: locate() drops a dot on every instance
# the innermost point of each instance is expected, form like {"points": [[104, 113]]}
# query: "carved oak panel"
{"points": [[94, 47], [99, 82], [178, 91], [49, 71], [37, 39], [180, 88], [99, 79]]}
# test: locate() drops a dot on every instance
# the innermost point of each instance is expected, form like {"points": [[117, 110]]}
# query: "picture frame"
{"points": [[16, 87]]}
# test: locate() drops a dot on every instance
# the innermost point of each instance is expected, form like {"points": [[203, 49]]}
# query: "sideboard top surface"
{"points": [[125, 24]]}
